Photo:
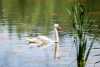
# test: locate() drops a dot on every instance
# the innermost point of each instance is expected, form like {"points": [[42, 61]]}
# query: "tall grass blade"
{"points": [[88, 52]]}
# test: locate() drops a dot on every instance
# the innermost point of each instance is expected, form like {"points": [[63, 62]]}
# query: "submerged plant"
{"points": [[80, 25]]}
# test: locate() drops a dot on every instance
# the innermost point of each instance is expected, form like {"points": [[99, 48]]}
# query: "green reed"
{"points": [[80, 25]]}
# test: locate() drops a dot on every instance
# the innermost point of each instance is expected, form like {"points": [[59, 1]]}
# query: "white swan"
{"points": [[42, 40]]}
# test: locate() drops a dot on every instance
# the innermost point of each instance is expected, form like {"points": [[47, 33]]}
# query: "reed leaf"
{"points": [[90, 47], [80, 23]]}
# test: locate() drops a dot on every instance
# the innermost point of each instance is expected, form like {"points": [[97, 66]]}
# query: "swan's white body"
{"points": [[40, 40]]}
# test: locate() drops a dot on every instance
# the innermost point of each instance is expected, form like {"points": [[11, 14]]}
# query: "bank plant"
{"points": [[81, 25]]}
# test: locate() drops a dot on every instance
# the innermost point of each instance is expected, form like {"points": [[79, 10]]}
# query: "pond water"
{"points": [[20, 18], [15, 51]]}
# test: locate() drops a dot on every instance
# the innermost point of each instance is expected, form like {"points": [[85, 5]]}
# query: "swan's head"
{"points": [[56, 25]]}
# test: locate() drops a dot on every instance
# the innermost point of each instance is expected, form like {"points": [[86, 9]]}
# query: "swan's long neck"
{"points": [[56, 46], [56, 35]]}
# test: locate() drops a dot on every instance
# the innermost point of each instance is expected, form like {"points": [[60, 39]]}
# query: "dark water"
{"points": [[21, 18]]}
